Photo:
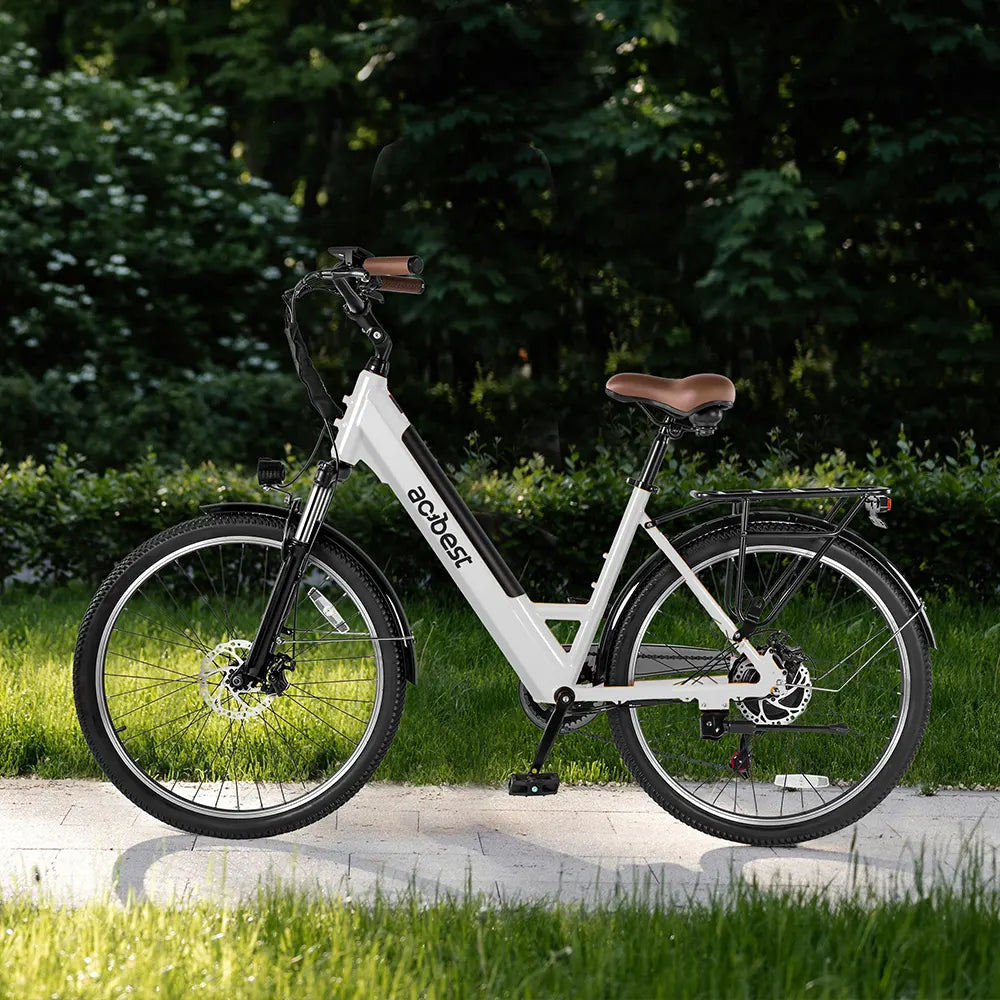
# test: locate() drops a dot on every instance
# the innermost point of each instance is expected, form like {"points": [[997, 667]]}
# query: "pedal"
{"points": [[546, 783]]}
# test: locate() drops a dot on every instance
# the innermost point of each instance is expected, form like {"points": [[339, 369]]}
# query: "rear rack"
{"points": [[806, 493], [763, 609]]}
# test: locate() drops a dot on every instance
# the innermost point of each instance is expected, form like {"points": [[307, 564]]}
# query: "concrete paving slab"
{"points": [[21, 871], [78, 840]]}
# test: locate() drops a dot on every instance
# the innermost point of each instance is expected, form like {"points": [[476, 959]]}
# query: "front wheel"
{"points": [[168, 715], [856, 668]]}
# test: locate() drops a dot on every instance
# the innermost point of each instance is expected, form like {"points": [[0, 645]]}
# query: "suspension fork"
{"points": [[295, 551]]}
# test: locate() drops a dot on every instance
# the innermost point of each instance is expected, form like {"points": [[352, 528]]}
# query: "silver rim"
{"points": [[772, 798], [168, 649]]}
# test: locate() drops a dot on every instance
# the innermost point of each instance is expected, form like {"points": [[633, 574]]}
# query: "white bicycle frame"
{"points": [[375, 431]]}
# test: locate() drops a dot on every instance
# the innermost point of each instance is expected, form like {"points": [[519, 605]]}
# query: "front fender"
{"points": [[334, 537], [792, 517]]}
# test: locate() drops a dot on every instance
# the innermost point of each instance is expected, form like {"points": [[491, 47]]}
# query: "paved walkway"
{"points": [[72, 841]]}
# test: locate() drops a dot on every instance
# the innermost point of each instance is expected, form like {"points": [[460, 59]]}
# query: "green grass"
{"points": [[743, 943], [462, 721]]}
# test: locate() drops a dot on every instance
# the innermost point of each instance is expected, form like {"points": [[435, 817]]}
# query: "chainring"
{"points": [[539, 714]]}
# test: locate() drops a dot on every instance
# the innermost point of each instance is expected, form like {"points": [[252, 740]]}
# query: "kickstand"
{"points": [[536, 781]]}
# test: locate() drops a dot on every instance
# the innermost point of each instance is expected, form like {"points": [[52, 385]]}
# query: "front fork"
{"points": [[295, 551]]}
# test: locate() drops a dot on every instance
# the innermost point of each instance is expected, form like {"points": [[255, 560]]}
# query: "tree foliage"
{"points": [[137, 256], [803, 196]]}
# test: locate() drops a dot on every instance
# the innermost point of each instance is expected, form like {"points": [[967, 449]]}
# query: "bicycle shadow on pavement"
{"points": [[515, 870]]}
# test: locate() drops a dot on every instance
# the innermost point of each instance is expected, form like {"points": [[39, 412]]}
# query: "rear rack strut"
{"points": [[876, 499]]}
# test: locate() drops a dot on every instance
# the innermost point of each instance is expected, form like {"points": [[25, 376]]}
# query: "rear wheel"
{"points": [[853, 655], [168, 715]]}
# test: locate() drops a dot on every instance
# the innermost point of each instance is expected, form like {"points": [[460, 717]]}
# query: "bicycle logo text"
{"points": [[439, 525]]}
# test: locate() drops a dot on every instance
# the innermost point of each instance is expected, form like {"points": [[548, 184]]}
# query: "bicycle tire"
{"points": [[778, 792], [162, 638]]}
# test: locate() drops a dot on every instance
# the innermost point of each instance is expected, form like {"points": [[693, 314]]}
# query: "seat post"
{"points": [[654, 459]]}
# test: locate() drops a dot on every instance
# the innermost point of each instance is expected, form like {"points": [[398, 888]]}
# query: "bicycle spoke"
{"points": [[857, 685], [337, 680], [147, 687], [333, 703], [289, 746], [160, 725], [143, 635], [319, 718], [146, 663], [169, 623], [220, 748]]}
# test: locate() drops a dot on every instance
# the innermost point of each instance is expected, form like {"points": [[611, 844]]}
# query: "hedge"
{"points": [[61, 520]]}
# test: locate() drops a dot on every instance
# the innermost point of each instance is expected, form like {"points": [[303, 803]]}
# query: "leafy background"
{"points": [[804, 196], [67, 522]]}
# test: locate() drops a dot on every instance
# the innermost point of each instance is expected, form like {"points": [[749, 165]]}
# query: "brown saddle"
{"points": [[678, 396]]}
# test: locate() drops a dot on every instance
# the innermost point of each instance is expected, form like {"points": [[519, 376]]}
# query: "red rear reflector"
{"points": [[888, 503]]}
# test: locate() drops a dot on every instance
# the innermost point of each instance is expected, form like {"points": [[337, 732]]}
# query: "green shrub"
{"points": [[59, 520], [229, 417], [142, 261], [552, 526]]}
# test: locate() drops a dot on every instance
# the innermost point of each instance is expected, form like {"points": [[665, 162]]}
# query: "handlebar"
{"points": [[390, 266], [358, 279], [409, 286]]}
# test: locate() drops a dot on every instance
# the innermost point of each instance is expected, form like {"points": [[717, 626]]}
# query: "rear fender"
{"points": [[792, 517], [334, 537]]}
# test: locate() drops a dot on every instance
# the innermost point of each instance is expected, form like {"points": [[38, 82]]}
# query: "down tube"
{"points": [[380, 436]]}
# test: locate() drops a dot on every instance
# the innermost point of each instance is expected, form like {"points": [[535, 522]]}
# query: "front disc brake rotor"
{"points": [[217, 668]]}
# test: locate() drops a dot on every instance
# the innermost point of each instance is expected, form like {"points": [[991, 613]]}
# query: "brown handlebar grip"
{"points": [[411, 286], [393, 265]]}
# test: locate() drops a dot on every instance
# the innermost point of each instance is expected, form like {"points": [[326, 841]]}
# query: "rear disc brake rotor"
{"points": [[779, 709]]}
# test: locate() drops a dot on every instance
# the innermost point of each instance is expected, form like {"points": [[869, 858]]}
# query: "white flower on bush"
{"points": [[74, 202], [88, 373]]}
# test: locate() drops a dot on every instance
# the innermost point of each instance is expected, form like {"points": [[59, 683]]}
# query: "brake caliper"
{"points": [[276, 682]]}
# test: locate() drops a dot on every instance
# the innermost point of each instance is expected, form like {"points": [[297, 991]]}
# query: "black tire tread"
{"points": [[170, 813], [795, 833]]}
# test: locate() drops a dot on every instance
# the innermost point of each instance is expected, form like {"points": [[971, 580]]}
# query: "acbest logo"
{"points": [[439, 525]]}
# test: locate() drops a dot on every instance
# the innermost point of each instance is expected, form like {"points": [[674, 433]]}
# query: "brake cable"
{"points": [[319, 397]]}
